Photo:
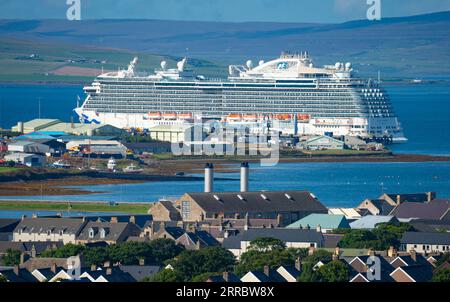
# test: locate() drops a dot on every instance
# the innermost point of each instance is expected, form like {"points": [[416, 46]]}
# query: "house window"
{"points": [[91, 233], [185, 210], [102, 233]]}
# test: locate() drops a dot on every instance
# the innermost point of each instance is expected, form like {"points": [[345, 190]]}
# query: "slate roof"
{"points": [[174, 214], [8, 225], [275, 201], [231, 278], [27, 246], [113, 230], [418, 273], [139, 272], [43, 263], [326, 221], [426, 238], [140, 220], [286, 235], [232, 242], [414, 197], [34, 225], [435, 209], [23, 276], [371, 221], [117, 275], [383, 206]]}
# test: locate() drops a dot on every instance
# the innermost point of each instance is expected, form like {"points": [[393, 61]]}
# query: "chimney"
{"points": [[247, 222], [371, 252], [337, 251], [133, 219], [319, 229], [107, 264], [431, 196], [109, 271], [244, 177], [399, 199], [23, 258], [16, 270], [226, 234], [114, 219], [266, 270], [93, 267], [53, 268], [72, 125], [209, 178], [198, 244], [142, 261], [33, 251], [279, 220], [298, 264], [413, 255], [334, 257], [226, 276], [311, 250], [392, 252], [23, 217]]}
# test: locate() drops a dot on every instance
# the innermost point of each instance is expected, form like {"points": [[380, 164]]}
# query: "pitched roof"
{"points": [[258, 201], [112, 230], [22, 276], [139, 272], [414, 197], [429, 210], [371, 221], [426, 238], [34, 225], [286, 235], [418, 273], [220, 278], [325, 221], [383, 206]]}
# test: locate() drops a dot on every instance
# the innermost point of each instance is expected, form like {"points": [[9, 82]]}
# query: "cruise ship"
{"points": [[288, 94]]}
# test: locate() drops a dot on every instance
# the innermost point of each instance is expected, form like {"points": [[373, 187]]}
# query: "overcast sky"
{"points": [[219, 10]]}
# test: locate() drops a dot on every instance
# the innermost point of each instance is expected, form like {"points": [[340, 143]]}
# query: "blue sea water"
{"points": [[424, 111]]}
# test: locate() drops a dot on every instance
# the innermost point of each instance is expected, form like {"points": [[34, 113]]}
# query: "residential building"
{"points": [[295, 238], [48, 229], [110, 232], [370, 222], [325, 222], [376, 206], [285, 206], [397, 198], [412, 274], [425, 242], [267, 275], [291, 273], [437, 209], [225, 277], [165, 210], [349, 213]]}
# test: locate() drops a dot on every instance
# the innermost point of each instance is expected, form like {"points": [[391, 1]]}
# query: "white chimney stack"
{"points": [[244, 177], [209, 178]]}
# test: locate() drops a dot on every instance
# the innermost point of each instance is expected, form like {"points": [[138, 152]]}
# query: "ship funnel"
{"points": [[244, 177], [209, 177]]}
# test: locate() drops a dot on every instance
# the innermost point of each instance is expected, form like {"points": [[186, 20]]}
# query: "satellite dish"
{"points": [[338, 65], [249, 64], [163, 64], [348, 65], [261, 62]]}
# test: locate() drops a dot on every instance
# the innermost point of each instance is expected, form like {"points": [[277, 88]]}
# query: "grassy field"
{"points": [[9, 170], [128, 208], [15, 66]]}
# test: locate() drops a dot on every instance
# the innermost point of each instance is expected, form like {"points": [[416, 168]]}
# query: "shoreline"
{"points": [[51, 184]]}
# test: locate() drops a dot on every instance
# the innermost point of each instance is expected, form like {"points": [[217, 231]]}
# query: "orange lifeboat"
{"points": [[169, 116], [185, 116], [250, 117], [303, 117], [234, 117], [283, 117], [154, 115]]}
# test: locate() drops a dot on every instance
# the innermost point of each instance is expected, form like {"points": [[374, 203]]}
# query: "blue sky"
{"points": [[219, 10]]}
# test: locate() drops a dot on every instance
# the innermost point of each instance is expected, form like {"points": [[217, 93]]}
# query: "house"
{"points": [[141, 271], [30, 147], [370, 222], [363, 268], [376, 206], [30, 248], [285, 206], [437, 209], [197, 240], [325, 222], [164, 210], [7, 227], [107, 274], [412, 274], [323, 143], [293, 238], [65, 230], [30, 160], [110, 232], [267, 275], [225, 277], [425, 242], [291, 273], [396, 198], [17, 274], [431, 225], [349, 213]]}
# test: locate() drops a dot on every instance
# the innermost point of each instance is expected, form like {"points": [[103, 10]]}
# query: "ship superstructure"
{"points": [[289, 93]]}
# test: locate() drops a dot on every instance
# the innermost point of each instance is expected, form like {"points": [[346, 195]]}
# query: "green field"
{"points": [[127, 208], [9, 170], [16, 67]]}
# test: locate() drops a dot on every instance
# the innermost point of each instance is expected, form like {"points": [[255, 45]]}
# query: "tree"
{"points": [[164, 249], [442, 276], [266, 244], [319, 255], [210, 259], [203, 277], [334, 271], [65, 251], [3, 279], [308, 273], [165, 275], [11, 258]]}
